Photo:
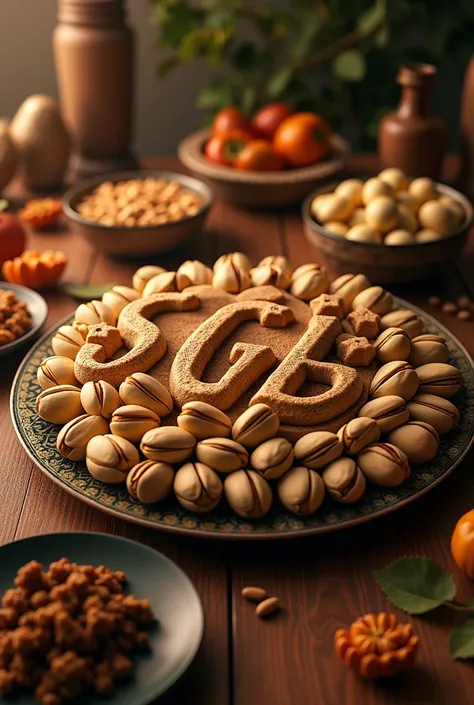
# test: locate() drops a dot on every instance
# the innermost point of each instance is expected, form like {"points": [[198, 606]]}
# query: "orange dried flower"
{"points": [[377, 646], [41, 212], [35, 269]]}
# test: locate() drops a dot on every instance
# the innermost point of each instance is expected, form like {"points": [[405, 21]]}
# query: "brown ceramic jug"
{"points": [[93, 49], [466, 177], [411, 137]]}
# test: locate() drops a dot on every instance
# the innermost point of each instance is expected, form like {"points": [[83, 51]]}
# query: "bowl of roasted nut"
{"points": [[391, 228], [22, 314], [138, 213]]}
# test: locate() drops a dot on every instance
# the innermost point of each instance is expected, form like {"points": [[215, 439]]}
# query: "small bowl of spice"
{"points": [[22, 315], [138, 213]]}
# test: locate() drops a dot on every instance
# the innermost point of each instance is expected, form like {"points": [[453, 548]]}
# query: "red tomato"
{"points": [[302, 139], [230, 119], [12, 237], [266, 121], [225, 147], [259, 155]]}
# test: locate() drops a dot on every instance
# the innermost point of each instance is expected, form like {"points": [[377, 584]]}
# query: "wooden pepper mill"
{"points": [[411, 137], [93, 50]]}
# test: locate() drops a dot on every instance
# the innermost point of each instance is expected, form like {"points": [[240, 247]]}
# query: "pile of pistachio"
{"points": [[388, 209]]}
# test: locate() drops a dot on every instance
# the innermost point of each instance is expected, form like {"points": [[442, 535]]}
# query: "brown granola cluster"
{"points": [[69, 631], [15, 319]]}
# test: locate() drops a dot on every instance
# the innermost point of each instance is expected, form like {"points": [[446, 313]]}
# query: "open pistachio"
{"points": [[347, 286], [248, 494], [196, 273], [344, 481], [238, 259], [439, 378], [436, 411], [309, 281], [389, 412], [204, 420], [317, 449], [359, 433], [269, 275], [143, 275], [384, 464], [428, 348], [100, 398], [132, 422], [119, 297], [395, 378], [374, 298], [257, 424], [73, 438], [67, 342], [94, 312], [222, 454], [168, 444], [144, 390], [301, 490], [55, 370], [197, 487], [392, 344], [59, 404], [272, 458], [109, 458], [150, 482], [277, 261], [404, 319], [231, 278]]}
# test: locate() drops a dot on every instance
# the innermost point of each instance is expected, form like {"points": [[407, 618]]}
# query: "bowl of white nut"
{"points": [[389, 227]]}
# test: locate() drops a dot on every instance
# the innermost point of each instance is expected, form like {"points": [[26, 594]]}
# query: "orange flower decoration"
{"points": [[41, 212], [377, 646], [35, 269]]}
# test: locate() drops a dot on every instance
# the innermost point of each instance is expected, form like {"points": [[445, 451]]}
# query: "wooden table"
{"points": [[323, 583]]}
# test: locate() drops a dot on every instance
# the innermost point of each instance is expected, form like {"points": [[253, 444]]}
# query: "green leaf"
{"points": [[373, 17], [214, 96], [461, 641], [350, 65], [382, 36], [3, 204], [86, 292], [279, 81], [167, 65], [416, 585]]}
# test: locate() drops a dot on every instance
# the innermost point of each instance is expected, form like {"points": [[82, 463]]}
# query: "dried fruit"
{"points": [[462, 543], [35, 269], [377, 646], [41, 212]]}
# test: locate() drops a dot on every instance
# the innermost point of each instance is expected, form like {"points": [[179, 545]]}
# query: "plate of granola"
{"points": [[87, 615], [22, 315]]}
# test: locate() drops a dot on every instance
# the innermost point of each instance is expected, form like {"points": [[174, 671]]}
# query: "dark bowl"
{"points": [[387, 264], [142, 240]]}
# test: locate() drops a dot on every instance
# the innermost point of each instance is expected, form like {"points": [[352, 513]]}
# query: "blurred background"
{"points": [[338, 58]]}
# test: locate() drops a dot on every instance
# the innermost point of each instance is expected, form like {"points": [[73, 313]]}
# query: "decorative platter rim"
{"points": [[284, 525]]}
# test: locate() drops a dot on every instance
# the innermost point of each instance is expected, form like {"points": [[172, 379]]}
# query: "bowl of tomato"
{"points": [[272, 159]]}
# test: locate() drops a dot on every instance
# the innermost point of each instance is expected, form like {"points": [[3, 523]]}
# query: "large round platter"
{"points": [[39, 440]]}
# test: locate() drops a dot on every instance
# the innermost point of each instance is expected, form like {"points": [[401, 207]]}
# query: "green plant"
{"points": [[337, 57]]}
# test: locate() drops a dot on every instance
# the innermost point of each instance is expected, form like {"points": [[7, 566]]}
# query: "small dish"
{"points": [[387, 264], [39, 312], [174, 600], [258, 189], [142, 240]]}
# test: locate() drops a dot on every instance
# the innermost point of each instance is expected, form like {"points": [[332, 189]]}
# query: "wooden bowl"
{"points": [[386, 264], [137, 241], [258, 189]]}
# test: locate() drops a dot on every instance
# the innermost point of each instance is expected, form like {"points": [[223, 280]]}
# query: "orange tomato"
{"points": [[12, 237], [230, 119], [259, 155], [266, 121], [224, 147], [302, 139], [462, 543]]}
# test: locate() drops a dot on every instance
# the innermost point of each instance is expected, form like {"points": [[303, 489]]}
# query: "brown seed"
{"points": [[449, 307], [434, 301], [267, 607], [254, 594], [464, 315], [463, 301]]}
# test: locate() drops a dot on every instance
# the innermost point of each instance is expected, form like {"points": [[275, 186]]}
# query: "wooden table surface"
{"points": [[323, 583]]}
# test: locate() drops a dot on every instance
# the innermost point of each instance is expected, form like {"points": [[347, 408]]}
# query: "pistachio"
{"points": [[267, 607], [439, 378], [375, 299], [254, 593], [204, 420], [272, 458], [417, 439], [436, 411], [59, 404], [344, 481], [236, 258], [197, 487], [301, 491], [119, 297], [277, 261], [150, 482], [392, 344], [358, 433], [389, 412], [166, 281], [398, 378], [317, 449], [73, 438], [348, 286], [109, 458], [309, 281], [94, 312], [384, 464], [67, 342], [428, 348], [222, 454], [143, 275], [132, 422], [144, 390], [404, 319], [99, 398], [255, 425], [248, 494], [56, 370], [269, 275], [231, 278], [168, 444], [195, 272]]}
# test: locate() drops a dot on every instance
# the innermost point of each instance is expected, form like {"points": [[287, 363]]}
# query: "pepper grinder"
{"points": [[93, 51], [411, 137]]}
